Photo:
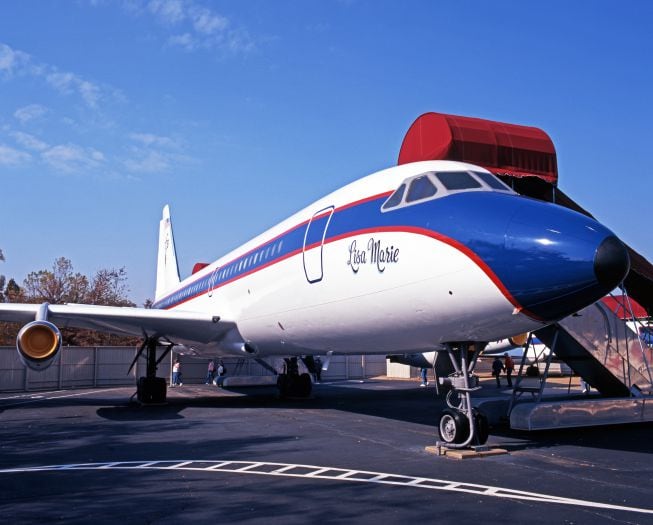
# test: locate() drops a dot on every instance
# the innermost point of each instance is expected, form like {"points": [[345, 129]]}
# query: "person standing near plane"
{"points": [[509, 365], [210, 372], [585, 386], [423, 374], [318, 369], [176, 373], [497, 367], [220, 371]]}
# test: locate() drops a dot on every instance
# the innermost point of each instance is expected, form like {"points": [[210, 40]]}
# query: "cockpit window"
{"points": [[438, 184], [420, 188], [491, 180], [395, 198], [457, 180]]}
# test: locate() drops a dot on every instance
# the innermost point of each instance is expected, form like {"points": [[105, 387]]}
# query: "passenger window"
{"points": [[457, 180], [395, 198], [491, 180], [420, 188]]}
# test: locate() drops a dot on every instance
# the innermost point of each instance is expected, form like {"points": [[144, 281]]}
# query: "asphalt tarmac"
{"points": [[354, 452]]}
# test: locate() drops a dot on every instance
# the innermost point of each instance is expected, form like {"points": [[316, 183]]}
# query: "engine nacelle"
{"points": [[419, 360], [38, 343]]}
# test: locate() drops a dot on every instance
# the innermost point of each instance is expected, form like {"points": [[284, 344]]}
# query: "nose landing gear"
{"points": [[460, 425]]}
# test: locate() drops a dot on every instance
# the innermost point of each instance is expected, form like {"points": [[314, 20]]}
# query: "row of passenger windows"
{"points": [[427, 185], [252, 259], [225, 273]]}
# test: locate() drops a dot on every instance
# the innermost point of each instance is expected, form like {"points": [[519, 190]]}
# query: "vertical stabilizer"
{"points": [[167, 271]]}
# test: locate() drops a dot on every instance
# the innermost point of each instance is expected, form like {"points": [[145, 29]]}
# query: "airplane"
{"points": [[425, 256], [514, 346]]}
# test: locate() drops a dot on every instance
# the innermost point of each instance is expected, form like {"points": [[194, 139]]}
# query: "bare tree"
{"points": [[2, 280], [62, 284], [109, 287]]}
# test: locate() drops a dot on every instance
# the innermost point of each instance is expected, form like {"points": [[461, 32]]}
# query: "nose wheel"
{"points": [[459, 424], [454, 429], [453, 426]]}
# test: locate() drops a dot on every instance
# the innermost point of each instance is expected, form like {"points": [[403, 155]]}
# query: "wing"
{"points": [[176, 326]]}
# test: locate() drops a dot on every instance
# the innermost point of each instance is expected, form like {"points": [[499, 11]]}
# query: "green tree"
{"points": [[14, 293]]}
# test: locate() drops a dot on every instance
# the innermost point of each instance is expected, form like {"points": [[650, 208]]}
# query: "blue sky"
{"points": [[238, 113]]}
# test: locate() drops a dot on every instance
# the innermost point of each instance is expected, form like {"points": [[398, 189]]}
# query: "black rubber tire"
{"points": [[283, 385], [151, 390], [482, 427], [294, 386], [453, 426], [304, 385]]}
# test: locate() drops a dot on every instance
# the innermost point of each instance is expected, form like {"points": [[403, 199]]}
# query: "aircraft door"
{"points": [[213, 280], [314, 244]]}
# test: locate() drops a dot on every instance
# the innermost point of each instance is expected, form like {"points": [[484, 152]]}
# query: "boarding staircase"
{"points": [[602, 349]]}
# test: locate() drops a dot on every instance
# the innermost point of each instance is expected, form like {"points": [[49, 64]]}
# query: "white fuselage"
{"points": [[370, 289]]}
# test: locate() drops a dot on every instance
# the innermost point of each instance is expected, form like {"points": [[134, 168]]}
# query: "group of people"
{"points": [[497, 367], [214, 372]]}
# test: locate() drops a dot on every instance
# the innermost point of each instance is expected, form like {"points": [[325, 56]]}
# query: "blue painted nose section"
{"points": [[557, 261]]}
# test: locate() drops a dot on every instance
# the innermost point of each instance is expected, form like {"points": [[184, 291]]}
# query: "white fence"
{"points": [[83, 367]]}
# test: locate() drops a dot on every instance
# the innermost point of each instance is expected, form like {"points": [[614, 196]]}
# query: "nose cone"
{"points": [[560, 260], [611, 262]]}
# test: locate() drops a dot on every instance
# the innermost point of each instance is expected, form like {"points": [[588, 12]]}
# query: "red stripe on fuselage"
{"points": [[406, 229]]}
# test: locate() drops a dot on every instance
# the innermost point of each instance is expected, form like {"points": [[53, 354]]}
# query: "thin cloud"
{"points": [[30, 112], [195, 26], [167, 11], [11, 60], [14, 62], [185, 41], [153, 153], [149, 139], [148, 161], [206, 22], [12, 157], [29, 141], [67, 83], [71, 158]]}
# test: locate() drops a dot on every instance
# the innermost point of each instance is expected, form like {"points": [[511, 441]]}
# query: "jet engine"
{"points": [[419, 360], [519, 340], [38, 343]]}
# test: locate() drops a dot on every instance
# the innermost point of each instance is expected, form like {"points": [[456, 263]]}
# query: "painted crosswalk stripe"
{"points": [[315, 472]]}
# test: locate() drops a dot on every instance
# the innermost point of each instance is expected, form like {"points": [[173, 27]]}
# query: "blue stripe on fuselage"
{"points": [[524, 242]]}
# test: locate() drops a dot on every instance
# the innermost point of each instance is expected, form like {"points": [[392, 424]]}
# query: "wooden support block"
{"points": [[464, 453]]}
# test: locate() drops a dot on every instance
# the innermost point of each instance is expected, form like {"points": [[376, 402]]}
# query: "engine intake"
{"points": [[38, 343]]}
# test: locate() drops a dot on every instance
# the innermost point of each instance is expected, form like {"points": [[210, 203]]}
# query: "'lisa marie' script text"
{"points": [[375, 254]]}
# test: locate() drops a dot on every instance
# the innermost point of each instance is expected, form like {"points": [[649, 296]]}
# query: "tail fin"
{"points": [[167, 271]]}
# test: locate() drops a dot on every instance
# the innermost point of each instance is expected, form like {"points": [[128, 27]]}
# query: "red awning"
{"points": [[199, 266], [504, 149], [620, 306]]}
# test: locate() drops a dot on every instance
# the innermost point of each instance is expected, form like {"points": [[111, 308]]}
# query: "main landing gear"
{"points": [[460, 424], [291, 383], [150, 389]]}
